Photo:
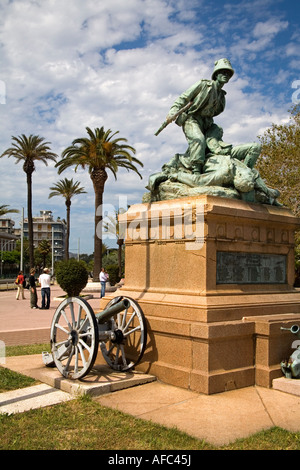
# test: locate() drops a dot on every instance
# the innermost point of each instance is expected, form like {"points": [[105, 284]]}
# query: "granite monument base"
{"points": [[214, 277]]}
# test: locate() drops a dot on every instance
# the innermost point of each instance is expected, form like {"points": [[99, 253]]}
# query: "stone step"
{"points": [[25, 399], [283, 384]]}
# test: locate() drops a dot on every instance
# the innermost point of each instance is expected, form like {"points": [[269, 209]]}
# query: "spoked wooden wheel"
{"points": [[126, 348], [74, 338]]}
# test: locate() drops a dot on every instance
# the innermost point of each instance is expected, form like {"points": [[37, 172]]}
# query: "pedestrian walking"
{"points": [[19, 281]]}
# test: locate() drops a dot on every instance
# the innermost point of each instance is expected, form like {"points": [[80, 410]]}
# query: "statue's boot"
{"points": [[273, 194], [155, 180]]}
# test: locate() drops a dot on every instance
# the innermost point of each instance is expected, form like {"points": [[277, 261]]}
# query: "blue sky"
{"points": [[69, 64]]}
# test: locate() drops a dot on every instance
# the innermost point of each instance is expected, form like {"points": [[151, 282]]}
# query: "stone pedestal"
{"points": [[214, 277]]}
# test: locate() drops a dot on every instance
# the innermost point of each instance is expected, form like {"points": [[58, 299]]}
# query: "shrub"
{"points": [[113, 272], [72, 276]]}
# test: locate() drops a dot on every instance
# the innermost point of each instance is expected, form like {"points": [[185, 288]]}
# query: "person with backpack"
{"points": [[32, 288], [19, 281]]}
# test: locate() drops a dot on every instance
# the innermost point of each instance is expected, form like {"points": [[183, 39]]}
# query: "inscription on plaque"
{"points": [[250, 268]]}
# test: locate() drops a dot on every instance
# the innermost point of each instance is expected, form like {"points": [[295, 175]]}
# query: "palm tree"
{"points": [[30, 149], [99, 152], [44, 249], [5, 210], [67, 189]]}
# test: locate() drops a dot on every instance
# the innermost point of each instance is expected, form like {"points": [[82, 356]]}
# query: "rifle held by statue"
{"points": [[173, 118]]}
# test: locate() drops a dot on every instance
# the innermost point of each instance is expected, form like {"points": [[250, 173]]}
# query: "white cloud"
{"points": [[269, 27], [71, 64]]}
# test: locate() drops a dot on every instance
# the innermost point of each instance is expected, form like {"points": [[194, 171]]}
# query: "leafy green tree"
{"points": [[279, 163], [67, 189], [10, 257], [99, 152], [87, 258], [29, 150], [113, 272]]}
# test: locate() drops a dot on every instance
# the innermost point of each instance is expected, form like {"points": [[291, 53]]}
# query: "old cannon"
{"points": [[76, 333], [291, 367]]}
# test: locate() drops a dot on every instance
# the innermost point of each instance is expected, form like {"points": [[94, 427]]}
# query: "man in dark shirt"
{"points": [[32, 288]]}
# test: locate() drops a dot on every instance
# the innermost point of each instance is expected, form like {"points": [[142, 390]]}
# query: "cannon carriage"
{"points": [[77, 332], [291, 366]]}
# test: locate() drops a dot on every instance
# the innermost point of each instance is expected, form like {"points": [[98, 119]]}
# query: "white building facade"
{"points": [[46, 228]]}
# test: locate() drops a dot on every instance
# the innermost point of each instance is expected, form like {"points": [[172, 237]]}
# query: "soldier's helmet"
{"points": [[222, 64]]}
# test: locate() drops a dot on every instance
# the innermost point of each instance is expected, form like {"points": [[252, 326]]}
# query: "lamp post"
{"points": [[52, 268]]}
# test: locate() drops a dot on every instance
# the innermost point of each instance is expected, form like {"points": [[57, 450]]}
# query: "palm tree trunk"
{"points": [[120, 244], [30, 221], [98, 236], [68, 204], [98, 177]]}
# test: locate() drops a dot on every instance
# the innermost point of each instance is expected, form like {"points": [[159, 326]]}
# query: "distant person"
{"points": [[32, 288], [103, 280], [44, 281], [20, 281]]}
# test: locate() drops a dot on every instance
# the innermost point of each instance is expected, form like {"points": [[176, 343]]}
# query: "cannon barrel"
{"points": [[295, 329], [107, 313]]}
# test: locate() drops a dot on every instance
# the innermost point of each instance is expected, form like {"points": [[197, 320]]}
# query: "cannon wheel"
{"points": [[130, 330], [74, 338]]}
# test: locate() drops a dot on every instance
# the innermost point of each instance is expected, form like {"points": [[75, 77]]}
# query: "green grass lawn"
{"points": [[10, 380], [84, 424]]}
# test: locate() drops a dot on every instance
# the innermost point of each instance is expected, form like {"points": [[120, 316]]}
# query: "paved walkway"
{"points": [[219, 419], [19, 324]]}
